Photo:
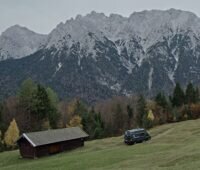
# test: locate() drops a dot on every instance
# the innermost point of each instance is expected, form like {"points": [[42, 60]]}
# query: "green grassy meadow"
{"points": [[173, 146]]}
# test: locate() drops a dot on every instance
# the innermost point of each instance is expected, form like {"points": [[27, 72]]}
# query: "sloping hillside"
{"points": [[173, 146]]}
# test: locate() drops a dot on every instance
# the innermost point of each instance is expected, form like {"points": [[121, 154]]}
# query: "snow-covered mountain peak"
{"points": [[17, 42], [146, 21], [142, 24], [145, 27], [76, 30], [110, 55], [16, 29]]}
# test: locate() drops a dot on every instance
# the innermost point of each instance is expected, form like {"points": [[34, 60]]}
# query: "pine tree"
{"points": [[53, 97], [41, 107], [161, 100], [26, 99], [130, 115], [178, 96], [190, 94], [118, 119], [98, 127], [26, 93], [28, 88], [88, 122], [11, 135], [53, 114], [41, 102], [141, 109]]}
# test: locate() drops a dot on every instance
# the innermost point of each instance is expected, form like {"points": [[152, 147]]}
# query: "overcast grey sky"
{"points": [[43, 15]]}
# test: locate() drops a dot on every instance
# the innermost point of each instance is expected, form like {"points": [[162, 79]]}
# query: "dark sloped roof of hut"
{"points": [[53, 136]]}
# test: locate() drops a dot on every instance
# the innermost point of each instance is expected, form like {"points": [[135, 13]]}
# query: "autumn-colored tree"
{"points": [[75, 121], [195, 111], [11, 135], [150, 115], [9, 110], [147, 121], [178, 98], [72, 108]]}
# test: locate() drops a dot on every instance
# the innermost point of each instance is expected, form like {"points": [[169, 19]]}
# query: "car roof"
{"points": [[136, 130]]}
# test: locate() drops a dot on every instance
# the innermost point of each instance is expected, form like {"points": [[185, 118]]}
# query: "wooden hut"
{"points": [[37, 144]]}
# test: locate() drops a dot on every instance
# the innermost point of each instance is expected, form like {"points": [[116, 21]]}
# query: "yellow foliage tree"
{"points": [[12, 134], [150, 115], [75, 121]]}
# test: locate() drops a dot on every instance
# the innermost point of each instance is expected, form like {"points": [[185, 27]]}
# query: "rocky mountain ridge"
{"points": [[97, 56]]}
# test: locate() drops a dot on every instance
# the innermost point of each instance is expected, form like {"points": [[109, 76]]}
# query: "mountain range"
{"points": [[94, 57]]}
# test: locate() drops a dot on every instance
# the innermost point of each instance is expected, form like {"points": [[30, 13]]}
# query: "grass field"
{"points": [[173, 146]]}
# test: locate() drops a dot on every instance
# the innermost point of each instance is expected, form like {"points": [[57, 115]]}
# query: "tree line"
{"points": [[36, 108]]}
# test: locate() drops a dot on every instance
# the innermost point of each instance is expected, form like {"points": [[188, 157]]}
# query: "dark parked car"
{"points": [[136, 136]]}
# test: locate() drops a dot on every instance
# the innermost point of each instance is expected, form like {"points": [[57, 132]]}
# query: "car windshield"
{"points": [[139, 134]]}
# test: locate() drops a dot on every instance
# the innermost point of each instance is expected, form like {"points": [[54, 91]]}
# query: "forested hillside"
{"points": [[37, 108]]}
